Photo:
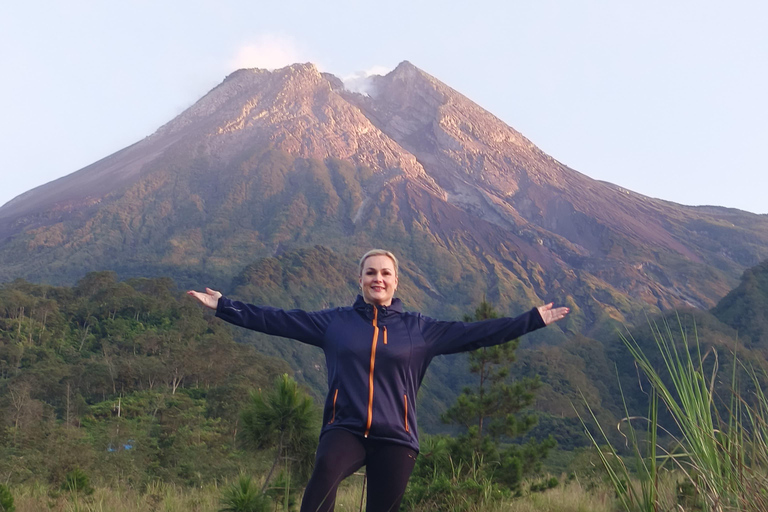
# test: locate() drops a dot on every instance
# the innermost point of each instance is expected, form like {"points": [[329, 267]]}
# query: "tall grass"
{"points": [[157, 496], [721, 457], [571, 497]]}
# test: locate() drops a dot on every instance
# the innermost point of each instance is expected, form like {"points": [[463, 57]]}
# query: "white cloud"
{"points": [[360, 81], [268, 51]]}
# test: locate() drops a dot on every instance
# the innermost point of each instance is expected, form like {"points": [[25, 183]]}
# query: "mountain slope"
{"points": [[274, 161], [491, 170]]}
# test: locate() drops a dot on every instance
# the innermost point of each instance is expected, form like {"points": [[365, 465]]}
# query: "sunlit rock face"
{"points": [[270, 161]]}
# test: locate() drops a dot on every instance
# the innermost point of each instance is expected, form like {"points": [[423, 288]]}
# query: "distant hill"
{"points": [[744, 308], [269, 163], [585, 369]]}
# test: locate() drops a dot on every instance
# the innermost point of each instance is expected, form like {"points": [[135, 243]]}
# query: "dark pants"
{"points": [[341, 453]]}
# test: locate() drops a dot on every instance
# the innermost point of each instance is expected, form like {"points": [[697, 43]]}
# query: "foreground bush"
{"points": [[441, 481], [6, 499], [244, 496]]}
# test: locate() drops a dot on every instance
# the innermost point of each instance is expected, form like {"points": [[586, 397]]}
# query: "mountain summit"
{"points": [[269, 162]]}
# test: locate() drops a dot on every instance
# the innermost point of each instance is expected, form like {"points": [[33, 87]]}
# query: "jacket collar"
{"points": [[367, 309]]}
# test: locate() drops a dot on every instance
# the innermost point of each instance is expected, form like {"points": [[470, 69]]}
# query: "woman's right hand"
{"points": [[550, 314], [209, 299]]}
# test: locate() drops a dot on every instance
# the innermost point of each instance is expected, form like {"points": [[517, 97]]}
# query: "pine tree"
{"points": [[282, 418], [495, 411]]}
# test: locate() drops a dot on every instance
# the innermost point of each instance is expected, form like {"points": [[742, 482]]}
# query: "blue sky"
{"points": [[664, 98]]}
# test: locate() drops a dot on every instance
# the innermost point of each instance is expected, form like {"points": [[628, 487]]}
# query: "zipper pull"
{"points": [[333, 416]]}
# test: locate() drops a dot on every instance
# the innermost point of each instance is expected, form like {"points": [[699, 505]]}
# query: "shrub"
{"points": [[244, 496], [6, 499], [441, 481], [77, 482]]}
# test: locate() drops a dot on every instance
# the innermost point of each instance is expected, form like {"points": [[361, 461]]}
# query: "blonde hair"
{"points": [[379, 252]]}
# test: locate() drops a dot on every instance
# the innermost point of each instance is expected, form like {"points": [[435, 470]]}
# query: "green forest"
{"points": [[130, 384], [126, 380]]}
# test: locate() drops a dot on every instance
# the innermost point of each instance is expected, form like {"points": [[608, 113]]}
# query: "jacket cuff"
{"points": [[220, 304]]}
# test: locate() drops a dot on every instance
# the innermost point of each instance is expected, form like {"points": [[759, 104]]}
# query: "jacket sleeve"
{"points": [[307, 327], [454, 337]]}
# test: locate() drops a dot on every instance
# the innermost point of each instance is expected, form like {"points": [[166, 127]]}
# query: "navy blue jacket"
{"points": [[376, 356]]}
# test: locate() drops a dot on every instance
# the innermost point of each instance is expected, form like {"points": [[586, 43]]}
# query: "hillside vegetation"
{"points": [[134, 381], [123, 379]]}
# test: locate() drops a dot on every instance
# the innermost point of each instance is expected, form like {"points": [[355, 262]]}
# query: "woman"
{"points": [[376, 355]]}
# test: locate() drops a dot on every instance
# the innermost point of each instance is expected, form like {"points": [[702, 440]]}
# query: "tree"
{"points": [[493, 407], [495, 411], [282, 418]]}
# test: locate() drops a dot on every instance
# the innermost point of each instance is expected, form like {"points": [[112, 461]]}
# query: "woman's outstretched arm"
{"points": [[307, 327], [453, 337]]}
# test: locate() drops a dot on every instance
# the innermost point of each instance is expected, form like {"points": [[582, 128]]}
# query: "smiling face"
{"points": [[378, 280]]}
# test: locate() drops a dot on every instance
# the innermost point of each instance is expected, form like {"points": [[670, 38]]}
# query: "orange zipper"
{"points": [[370, 374], [333, 416], [405, 402], [385, 334]]}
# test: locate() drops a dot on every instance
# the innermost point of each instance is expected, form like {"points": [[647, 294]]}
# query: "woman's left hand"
{"points": [[550, 314], [209, 299]]}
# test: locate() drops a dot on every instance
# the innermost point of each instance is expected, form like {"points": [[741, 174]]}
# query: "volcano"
{"points": [[270, 162]]}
